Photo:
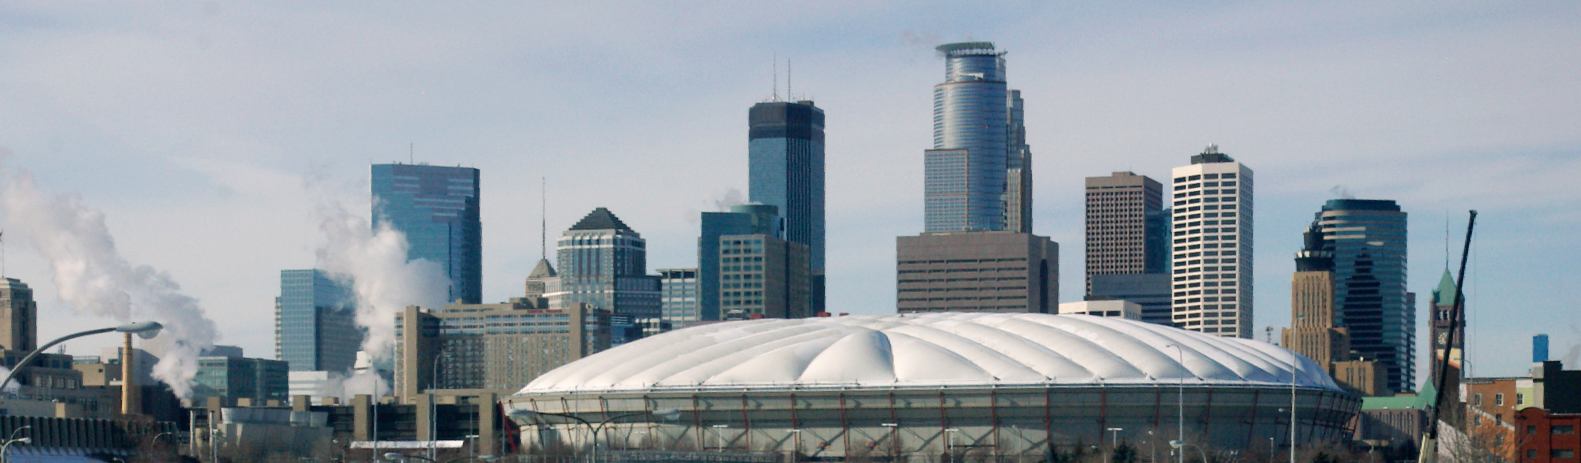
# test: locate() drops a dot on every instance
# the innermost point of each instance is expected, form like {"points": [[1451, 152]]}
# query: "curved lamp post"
{"points": [[145, 330], [13, 440], [1181, 447], [667, 414]]}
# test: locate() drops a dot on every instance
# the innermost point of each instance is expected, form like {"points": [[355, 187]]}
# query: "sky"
{"points": [[208, 133]]}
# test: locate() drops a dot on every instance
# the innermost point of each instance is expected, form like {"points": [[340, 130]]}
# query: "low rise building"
{"points": [[995, 271], [1116, 309], [491, 347]]}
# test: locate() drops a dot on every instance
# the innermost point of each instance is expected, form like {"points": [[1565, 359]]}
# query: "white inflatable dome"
{"points": [[929, 350]]}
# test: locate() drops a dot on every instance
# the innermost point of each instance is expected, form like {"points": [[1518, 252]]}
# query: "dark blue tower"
{"points": [[785, 156], [437, 208]]}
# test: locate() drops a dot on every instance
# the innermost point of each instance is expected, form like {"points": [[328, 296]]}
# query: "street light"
{"points": [[1114, 440], [949, 442], [796, 440], [1180, 427], [1181, 445], [719, 433], [894, 432], [399, 457], [145, 330], [7, 446]]}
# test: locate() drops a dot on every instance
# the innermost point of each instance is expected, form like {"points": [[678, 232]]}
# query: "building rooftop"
{"points": [[600, 219]]}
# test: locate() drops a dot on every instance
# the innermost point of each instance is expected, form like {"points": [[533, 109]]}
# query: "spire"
{"points": [[1444, 295], [543, 217]]}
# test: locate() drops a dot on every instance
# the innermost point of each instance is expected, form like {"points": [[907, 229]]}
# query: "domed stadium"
{"points": [[911, 387]]}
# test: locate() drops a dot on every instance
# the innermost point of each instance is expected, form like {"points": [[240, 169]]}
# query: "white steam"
{"points": [[372, 262], [92, 277]]}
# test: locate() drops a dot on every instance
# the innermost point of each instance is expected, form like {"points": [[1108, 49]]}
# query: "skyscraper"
{"points": [[315, 322], [18, 316], [1126, 228], [1211, 256], [437, 208], [786, 170], [999, 271], [762, 276], [1312, 331], [604, 263], [745, 219], [979, 147], [1368, 240]]}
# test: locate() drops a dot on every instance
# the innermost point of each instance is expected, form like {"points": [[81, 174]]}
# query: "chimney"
{"points": [[129, 394]]}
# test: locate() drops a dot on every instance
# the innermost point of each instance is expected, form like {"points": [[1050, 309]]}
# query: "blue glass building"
{"points": [[786, 170], [437, 208], [1539, 348], [315, 322], [978, 147], [1368, 239], [747, 219]]}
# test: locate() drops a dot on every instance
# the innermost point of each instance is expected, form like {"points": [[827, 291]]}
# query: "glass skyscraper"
{"points": [[746, 219], [604, 263], [315, 322], [437, 208], [1368, 239], [786, 170], [978, 147]]}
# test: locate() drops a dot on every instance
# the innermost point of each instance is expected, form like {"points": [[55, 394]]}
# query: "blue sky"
{"points": [[208, 132]]}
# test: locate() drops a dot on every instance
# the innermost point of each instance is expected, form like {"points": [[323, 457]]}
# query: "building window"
{"points": [[1563, 430], [1562, 453], [1498, 399]]}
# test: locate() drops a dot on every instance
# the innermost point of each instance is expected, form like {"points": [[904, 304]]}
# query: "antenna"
{"points": [[2, 253], [411, 153], [543, 217], [776, 73], [788, 94]]}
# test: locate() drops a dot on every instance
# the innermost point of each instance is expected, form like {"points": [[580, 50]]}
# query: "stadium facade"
{"points": [[914, 387]]}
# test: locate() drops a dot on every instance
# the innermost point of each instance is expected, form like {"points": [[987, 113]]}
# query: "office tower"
{"points": [[1128, 243], [18, 316], [977, 272], [1126, 228], [1018, 170], [979, 147], [1111, 309], [678, 297], [1211, 218], [1443, 300], [761, 276], [236, 378], [315, 322], [604, 263], [1368, 240], [745, 219], [496, 347], [786, 170], [1312, 330], [437, 208], [1539, 348]]}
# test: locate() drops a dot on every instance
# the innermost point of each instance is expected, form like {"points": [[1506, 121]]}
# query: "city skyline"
{"points": [[1509, 156]]}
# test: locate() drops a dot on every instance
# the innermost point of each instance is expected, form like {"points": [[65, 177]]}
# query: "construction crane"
{"points": [[1429, 450]]}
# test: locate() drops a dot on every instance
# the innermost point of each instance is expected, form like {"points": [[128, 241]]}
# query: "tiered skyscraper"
{"points": [[1313, 332], [786, 170], [977, 252], [978, 174], [1211, 216], [315, 323], [1368, 239], [1128, 243], [18, 316], [604, 263], [437, 208]]}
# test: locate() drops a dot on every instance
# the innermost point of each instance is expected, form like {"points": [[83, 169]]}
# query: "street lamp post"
{"points": [[7, 446], [1114, 440], [1181, 448], [719, 433], [894, 432], [1180, 402], [145, 330], [949, 442], [1295, 367], [795, 441]]}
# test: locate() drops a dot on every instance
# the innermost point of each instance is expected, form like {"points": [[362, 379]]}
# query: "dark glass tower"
{"points": [[786, 167], [1368, 240], [315, 322], [978, 174], [437, 208], [746, 219]]}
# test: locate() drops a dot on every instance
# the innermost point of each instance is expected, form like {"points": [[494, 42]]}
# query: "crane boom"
{"points": [[1429, 450]]}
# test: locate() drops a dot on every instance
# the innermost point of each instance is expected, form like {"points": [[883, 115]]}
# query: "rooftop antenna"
{"points": [[411, 153], [776, 73], [543, 217], [788, 94], [2, 253]]}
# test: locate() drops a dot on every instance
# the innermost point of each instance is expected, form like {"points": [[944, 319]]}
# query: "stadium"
{"points": [[912, 387]]}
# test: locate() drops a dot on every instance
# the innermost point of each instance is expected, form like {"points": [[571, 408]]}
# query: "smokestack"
{"points": [[129, 397]]}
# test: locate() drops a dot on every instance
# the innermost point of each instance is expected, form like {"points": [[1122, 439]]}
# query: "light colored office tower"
{"points": [[1211, 242]]}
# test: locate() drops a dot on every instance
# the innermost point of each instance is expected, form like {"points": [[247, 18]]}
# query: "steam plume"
{"points": [[372, 262], [92, 277]]}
